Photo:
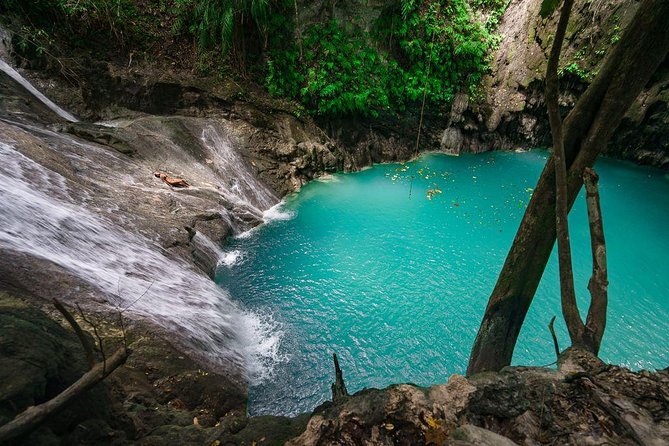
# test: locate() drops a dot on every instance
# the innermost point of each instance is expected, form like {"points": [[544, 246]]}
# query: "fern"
{"points": [[214, 21]]}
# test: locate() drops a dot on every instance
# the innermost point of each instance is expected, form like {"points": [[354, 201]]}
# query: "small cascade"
{"points": [[38, 218], [243, 189], [11, 72]]}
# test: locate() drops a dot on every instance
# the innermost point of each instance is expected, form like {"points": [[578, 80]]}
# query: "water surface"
{"points": [[392, 268]]}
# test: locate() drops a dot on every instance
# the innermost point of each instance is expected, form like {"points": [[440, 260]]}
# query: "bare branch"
{"points": [[555, 341], [33, 416], [142, 295], [95, 331], [85, 342]]}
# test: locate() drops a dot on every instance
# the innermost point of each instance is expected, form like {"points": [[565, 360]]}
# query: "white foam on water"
{"points": [[328, 178], [277, 212], [262, 356], [246, 234], [230, 258], [11, 72], [38, 221]]}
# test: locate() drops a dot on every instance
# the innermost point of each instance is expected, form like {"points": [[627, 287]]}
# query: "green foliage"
{"points": [[442, 48], [575, 70], [433, 49], [336, 75], [81, 23], [214, 22], [417, 50]]}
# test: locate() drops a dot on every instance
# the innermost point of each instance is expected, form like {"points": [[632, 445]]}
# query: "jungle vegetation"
{"points": [[415, 51]]}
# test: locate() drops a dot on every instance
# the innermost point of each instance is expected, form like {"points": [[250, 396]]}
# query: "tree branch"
{"points": [[95, 331], [555, 341], [85, 342], [568, 294], [33, 416]]}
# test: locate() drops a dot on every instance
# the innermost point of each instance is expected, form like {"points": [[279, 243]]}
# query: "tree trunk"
{"points": [[598, 285], [339, 391], [588, 127], [568, 294]]}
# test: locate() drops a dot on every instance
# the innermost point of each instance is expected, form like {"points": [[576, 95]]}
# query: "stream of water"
{"points": [[392, 267], [11, 72]]}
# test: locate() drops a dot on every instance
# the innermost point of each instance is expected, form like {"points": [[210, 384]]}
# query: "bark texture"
{"points": [[640, 51], [599, 282], [339, 391]]}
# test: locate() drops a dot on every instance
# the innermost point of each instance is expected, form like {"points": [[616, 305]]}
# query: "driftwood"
{"points": [[33, 416], [338, 387]]}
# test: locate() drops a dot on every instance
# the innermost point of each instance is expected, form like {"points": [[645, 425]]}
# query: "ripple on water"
{"points": [[392, 268]]}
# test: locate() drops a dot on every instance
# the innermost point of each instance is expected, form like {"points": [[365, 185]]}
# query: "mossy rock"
{"points": [[38, 357]]}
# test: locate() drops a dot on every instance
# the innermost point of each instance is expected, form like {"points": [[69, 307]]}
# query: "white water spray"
{"points": [[38, 218], [11, 72], [243, 189]]}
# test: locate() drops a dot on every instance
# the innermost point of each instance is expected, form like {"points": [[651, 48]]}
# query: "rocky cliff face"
{"points": [[512, 112]]}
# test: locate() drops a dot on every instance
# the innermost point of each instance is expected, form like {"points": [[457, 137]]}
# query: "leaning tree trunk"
{"points": [[567, 292], [587, 129]]}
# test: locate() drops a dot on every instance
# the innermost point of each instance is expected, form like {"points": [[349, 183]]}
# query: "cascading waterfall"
{"points": [[11, 72], [39, 220], [46, 216], [243, 189]]}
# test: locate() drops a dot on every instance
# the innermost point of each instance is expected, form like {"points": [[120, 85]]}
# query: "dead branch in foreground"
{"points": [[33, 416]]}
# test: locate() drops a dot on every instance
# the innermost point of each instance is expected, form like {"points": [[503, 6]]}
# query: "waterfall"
{"points": [[59, 201], [243, 189], [11, 72], [37, 218]]}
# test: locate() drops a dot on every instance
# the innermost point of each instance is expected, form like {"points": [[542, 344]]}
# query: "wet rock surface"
{"points": [[582, 402], [160, 396], [511, 112]]}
